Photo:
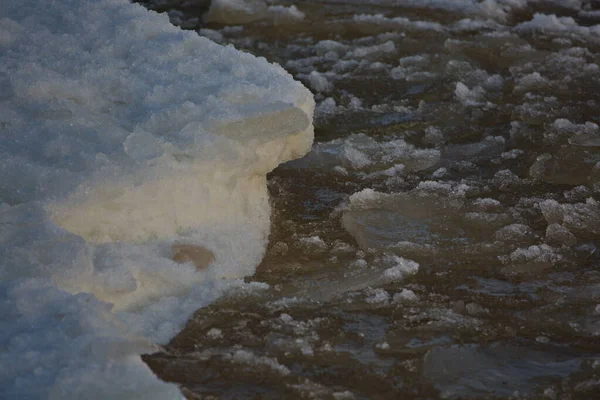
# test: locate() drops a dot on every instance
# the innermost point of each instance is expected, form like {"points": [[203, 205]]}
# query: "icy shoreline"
{"points": [[123, 136]]}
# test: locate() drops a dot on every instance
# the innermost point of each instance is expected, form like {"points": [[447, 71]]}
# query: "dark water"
{"points": [[469, 132]]}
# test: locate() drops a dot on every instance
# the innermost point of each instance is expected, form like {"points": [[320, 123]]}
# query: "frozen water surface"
{"points": [[133, 160], [439, 241]]}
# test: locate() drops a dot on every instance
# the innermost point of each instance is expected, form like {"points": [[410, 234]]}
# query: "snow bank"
{"points": [[133, 158]]}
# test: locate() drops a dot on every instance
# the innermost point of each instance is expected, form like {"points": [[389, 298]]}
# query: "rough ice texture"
{"points": [[120, 137], [246, 11], [360, 152], [553, 25], [246, 357], [398, 23], [469, 97], [319, 82], [401, 267], [495, 9]]}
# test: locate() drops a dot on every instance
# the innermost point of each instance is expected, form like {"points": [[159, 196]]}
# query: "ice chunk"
{"points": [[495, 9], [412, 68], [213, 35], [346, 395], [214, 333], [553, 25], [469, 97], [405, 295], [377, 296], [378, 220], [534, 254], [517, 233], [433, 135], [578, 218], [372, 51], [282, 14], [512, 154], [439, 173], [360, 151], [246, 357], [485, 370], [558, 234], [401, 267], [246, 11], [568, 165], [487, 204], [235, 11], [420, 60], [319, 82], [531, 82], [587, 134], [387, 24], [488, 147], [326, 46], [327, 106], [312, 244]]}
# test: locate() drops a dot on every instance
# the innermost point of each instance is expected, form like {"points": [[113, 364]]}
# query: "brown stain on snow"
{"points": [[200, 256]]}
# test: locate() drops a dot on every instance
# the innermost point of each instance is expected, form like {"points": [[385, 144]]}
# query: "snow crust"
{"points": [[123, 137]]}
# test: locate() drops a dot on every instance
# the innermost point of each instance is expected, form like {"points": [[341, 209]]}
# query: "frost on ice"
{"points": [[124, 142]]}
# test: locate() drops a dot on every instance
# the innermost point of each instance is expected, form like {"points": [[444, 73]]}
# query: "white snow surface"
{"points": [[120, 136]]}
